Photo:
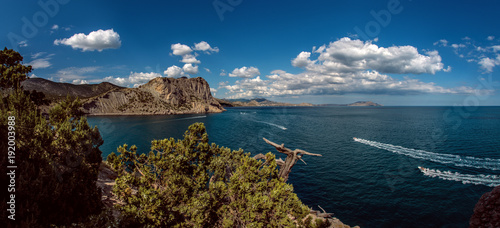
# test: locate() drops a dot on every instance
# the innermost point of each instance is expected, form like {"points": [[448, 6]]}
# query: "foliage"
{"points": [[190, 183], [12, 72], [57, 159]]}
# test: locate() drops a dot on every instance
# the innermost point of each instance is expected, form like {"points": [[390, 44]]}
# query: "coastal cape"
{"points": [[160, 96]]}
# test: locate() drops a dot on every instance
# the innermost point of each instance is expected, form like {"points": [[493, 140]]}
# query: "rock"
{"points": [[487, 210]]}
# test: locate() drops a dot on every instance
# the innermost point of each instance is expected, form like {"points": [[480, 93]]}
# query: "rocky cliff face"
{"points": [[487, 210], [158, 96]]}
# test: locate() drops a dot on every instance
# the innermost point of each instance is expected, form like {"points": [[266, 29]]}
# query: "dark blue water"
{"points": [[361, 184]]}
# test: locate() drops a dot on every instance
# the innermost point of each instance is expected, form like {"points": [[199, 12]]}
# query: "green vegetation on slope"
{"points": [[190, 183], [57, 159]]}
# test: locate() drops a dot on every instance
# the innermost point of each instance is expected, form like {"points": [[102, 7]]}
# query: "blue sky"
{"points": [[391, 52]]}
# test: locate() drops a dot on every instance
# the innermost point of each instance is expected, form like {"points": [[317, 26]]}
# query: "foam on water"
{"points": [[481, 179], [272, 124], [465, 161]]}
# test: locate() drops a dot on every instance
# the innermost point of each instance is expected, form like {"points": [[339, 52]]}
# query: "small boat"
{"points": [[421, 168], [354, 138]]}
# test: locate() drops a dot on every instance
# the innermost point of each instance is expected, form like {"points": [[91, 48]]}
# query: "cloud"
{"points": [[180, 49], [204, 46], [135, 79], [39, 63], [367, 82], [245, 72], [72, 73], [55, 27], [96, 40], [441, 42], [223, 72], [302, 59], [80, 82], [189, 55], [23, 43], [487, 64], [190, 69], [207, 70], [346, 55], [458, 46], [174, 72], [38, 54], [344, 67], [487, 57], [190, 59]]}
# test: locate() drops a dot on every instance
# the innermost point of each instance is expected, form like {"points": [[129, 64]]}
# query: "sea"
{"points": [[368, 174]]}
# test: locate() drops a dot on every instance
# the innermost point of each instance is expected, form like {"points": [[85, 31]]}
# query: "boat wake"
{"points": [[274, 125], [176, 119], [465, 161], [481, 179], [193, 117]]}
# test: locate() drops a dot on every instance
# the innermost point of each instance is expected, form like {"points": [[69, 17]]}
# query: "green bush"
{"points": [[190, 183]]}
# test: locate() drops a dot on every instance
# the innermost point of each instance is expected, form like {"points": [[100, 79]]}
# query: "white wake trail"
{"points": [[193, 117], [275, 125], [488, 180], [466, 161]]}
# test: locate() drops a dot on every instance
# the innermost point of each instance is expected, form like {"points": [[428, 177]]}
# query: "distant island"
{"points": [[257, 102], [357, 103], [262, 102]]}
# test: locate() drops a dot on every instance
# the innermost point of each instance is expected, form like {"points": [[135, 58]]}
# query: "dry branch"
{"points": [[292, 156]]}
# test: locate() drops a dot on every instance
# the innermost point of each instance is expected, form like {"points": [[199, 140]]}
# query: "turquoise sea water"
{"points": [[371, 182]]}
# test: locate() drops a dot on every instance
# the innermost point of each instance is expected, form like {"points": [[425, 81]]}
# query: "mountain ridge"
{"points": [[159, 96]]}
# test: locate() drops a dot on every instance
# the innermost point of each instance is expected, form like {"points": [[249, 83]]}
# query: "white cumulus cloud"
{"points": [[302, 60], [345, 67], [487, 64], [346, 55], [135, 79], [204, 46], [190, 69], [180, 49], [174, 72], [96, 40], [245, 72], [190, 59]]}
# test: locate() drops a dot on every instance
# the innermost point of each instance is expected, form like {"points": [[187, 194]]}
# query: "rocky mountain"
{"points": [[56, 90], [159, 96], [255, 102]]}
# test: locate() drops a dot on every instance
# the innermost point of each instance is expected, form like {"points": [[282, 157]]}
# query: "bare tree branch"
{"points": [[291, 158]]}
